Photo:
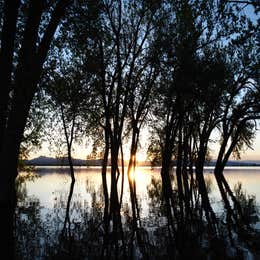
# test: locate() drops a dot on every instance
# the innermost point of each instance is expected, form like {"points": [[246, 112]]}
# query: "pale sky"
{"points": [[249, 154], [253, 154], [81, 151]]}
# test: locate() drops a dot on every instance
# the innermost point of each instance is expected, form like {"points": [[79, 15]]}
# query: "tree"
{"points": [[20, 79], [194, 80], [240, 110]]}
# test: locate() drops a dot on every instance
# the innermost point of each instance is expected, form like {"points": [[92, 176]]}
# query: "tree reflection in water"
{"points": [[28, 224], [74, 228]]}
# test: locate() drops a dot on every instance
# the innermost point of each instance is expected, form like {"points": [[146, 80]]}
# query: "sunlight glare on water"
{"points": [[54, 183]]}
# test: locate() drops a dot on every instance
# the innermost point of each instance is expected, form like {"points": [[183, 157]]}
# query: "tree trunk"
{"points": [[179, 176], [7, 209], [6, 58], [106, 197], [27, 76], [166, 183], [210, 215], [67, 214]]}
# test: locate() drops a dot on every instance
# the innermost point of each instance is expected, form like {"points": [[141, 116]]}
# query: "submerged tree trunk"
{"points": [[185, 178], [209, 213], [69, 137], [104, 177], [106, 196], [67, 224], [167, 189], [131, 177], [179, 177], [114, 199], [223, 186], [7, 209], [167, 185]]}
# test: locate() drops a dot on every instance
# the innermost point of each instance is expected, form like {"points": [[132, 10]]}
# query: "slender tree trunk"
{"points": [[106, 196], [104, 173], [179, 175], [210, 215], [185, 178], [222, 183], [123, 175], [67, 214], [167, 185], [114, 201], [131, 180]]}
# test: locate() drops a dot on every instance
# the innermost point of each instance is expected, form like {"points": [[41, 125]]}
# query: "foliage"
{"points": [[248, 204]]}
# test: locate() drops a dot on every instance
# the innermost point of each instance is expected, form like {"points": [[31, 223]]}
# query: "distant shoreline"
{"points": [[49, 161]]}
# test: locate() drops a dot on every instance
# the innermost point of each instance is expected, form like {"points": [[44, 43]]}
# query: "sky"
{"points": [[249, 154], [81, 151], [255, 153]]}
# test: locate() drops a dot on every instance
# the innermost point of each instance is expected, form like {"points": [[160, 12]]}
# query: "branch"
{"points": [[56, 17]]}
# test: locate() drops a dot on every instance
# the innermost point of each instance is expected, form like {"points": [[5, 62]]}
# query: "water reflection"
{"points": [[57, 219]]}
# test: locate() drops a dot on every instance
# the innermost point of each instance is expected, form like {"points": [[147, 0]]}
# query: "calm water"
{"points": [[42, 201], [53, 183]]}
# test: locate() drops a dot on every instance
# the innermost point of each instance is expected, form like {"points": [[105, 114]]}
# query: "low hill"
{"points": [[236, 163], [49, 161]]}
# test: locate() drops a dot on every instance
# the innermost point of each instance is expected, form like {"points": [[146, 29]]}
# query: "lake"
{"points": [[42, 202]]}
